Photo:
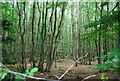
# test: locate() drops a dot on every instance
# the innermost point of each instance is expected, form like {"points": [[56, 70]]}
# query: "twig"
{"points": [[72, 66], [114, 7], [88, 77], [9, 69], [56, 76]]}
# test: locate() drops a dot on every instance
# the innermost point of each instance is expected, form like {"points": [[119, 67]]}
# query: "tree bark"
{"points": [[33, 42]]}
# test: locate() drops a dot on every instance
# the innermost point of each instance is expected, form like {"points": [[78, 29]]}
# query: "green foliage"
{"points": [[13, 17], [28, 72], [94, 68], [114, 56], [113, 61], [41, 68], [103, 77], [9, 39], [19, 77], [7, 60], [104, 4], [6, 24], [100, 67], [59, 4], [3, 74], [103, 56], [118, 77], [95, 58], [1, 64], [34, 70], [106, 20]]}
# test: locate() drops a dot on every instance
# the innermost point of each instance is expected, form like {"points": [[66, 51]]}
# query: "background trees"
{"points": [[40, 34]]}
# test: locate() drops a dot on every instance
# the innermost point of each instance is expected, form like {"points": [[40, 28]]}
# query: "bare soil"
{"points": [[81, 71]]}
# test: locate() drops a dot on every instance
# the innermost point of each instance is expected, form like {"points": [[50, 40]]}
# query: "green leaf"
{"points": [[27, 70], [106, 78], [94, 68], [103, 75], [30, 74], [116, 60], [61, 3], [34, 70], [4, 74], [108, 53], [1, 74], [111, 19], [118, 77], [108, 62], [104, 4], [19, 77], [95, 58], [1, 64], [103, 56]]}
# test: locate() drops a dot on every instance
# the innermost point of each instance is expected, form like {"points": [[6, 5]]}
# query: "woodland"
{"points": [[52, 41]]}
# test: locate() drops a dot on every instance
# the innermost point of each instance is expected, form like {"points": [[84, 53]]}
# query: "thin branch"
{"points": [[9, 69], [98, 7], [72, 66], [114, 7], [24, 75], [56, 76], [88, 77]]}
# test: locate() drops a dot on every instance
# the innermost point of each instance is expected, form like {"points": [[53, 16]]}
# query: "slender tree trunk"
{"points": [[119, 23], [53, 45], [79, 25], [99, 40], [73, 31], [38, 35], [106, 44], [43, 37], [33, 42], [22, 31]]}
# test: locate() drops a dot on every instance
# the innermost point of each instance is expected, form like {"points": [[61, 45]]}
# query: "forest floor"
{"points": [[81, 71]]}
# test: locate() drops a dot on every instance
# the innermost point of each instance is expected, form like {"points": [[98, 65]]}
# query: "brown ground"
{"points": [[81, 71]]}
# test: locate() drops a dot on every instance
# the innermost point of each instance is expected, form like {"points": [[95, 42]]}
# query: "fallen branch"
{"points": [[72, 66], [88, 77], [56, 76], [36, 78], [9, 69]]}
